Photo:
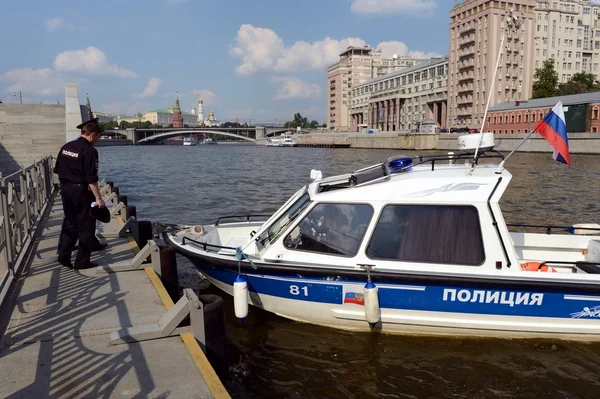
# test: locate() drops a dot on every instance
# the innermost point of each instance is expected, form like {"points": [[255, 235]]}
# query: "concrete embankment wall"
{"points": [[579, 143], [29, 132]]}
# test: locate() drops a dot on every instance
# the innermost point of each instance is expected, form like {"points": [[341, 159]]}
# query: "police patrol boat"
{"points": [[410, 245]]}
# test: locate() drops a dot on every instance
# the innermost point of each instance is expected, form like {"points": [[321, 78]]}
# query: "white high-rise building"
{"points": [[568, 31], [193, 110], [200, 112]]}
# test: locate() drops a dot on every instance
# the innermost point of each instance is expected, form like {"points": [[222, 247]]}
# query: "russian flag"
{"points": [[554, 129]]}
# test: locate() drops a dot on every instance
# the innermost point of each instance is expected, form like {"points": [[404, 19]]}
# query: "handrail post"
{"points": [[25, 193], [7, 228]]}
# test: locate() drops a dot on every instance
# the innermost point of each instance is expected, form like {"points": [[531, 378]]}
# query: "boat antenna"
{"points": [[512, 23]]}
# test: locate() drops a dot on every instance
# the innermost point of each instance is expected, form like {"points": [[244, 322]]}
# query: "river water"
{"points": [[272, 357]]}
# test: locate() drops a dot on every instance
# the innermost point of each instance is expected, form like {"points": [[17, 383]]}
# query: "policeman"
{"points": [[77, 169]]}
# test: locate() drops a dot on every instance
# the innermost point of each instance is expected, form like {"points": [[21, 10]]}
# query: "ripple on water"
{"points": [[272, 357]]}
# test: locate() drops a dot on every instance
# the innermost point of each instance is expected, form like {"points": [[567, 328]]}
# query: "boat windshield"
{"points": [[275, 229]]}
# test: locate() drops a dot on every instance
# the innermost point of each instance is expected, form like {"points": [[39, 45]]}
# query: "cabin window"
{"points": [[335, 229], [286, 218], [429, 234]]}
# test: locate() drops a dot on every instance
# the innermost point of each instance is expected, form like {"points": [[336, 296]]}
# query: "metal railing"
{"points": [[24, 196]]}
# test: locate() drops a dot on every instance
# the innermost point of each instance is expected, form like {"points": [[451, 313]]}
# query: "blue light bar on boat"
{"points": [[398, 164]]}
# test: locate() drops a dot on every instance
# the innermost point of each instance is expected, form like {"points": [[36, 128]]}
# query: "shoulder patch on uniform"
{"points": [[69, 153]]}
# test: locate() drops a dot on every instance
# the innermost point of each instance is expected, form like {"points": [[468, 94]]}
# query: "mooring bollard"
{"points": [[142, 232], [130, 212], [214, 331], [168, 272], [122, 198]]}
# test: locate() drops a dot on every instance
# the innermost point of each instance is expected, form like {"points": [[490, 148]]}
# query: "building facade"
{"points": [[568, 31], [582, 114], [476, 29], [357, 65], [164, 117], [402, 100]]}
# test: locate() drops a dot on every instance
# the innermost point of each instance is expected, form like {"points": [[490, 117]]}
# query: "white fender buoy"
{"points": [[585, 229], [240, 297], [371, 303]]}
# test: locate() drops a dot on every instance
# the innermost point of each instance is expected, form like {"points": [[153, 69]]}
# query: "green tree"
{"points": [[546, 80], [581, 82], [314, 124], [299, 120]]}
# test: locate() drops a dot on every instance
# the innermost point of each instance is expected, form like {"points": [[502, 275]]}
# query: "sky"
{"points": [[257, 60]]}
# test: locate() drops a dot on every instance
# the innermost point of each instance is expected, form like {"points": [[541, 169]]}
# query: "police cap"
{"points": [[94, 121]]}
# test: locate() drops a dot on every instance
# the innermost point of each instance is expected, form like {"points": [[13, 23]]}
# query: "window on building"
{"points": [[335, 229], [518, 118], [428, 233], [595, 113], [512, 118]]}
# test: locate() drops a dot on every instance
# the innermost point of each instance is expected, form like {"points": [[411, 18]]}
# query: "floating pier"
{"points": [[115, 331]]}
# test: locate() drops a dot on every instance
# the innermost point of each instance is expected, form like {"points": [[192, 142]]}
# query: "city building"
{"points": [[200, 119], [357, 65], [383, 66], [177, 117], [402, 100], [476, 29], [582, 114], [164, 117], [568, 31]]}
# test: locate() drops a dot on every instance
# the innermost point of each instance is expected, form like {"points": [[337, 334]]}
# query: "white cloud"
{"points": [[291, 87], [207, 96], [399, 48], [151, 88], [393, 7], [173, 95], [41, 82], [53, 24], [262, 49], [90, 60]]}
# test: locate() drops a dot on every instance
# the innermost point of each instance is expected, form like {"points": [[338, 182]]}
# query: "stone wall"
{"points": [[29, 132], [579, 143]]}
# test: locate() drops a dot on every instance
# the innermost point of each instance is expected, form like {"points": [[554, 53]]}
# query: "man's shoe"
{"points": [[65, 262], [89, 265], [100, 246]]}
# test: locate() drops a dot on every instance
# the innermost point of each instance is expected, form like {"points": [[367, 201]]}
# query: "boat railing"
{"points": [[588, 267], [549, 228], [247, 217], [423, 159], [205, 246]]}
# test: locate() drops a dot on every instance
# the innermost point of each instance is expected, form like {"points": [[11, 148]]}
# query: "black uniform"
{"points": [[77, 166]]}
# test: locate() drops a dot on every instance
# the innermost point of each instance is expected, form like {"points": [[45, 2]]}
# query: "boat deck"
{"points": [[56, 342]]}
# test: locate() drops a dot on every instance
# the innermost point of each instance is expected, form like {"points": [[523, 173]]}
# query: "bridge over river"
{"points": [[154, 136]]}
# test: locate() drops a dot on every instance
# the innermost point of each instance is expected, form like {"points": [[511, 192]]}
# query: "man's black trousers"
{"points": [[78, 224]]}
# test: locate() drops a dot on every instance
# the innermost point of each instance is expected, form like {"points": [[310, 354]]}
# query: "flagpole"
{"points": [[501, 166], [511, 22]]}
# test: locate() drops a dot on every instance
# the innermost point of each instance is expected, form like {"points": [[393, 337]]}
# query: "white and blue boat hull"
{"points": [[430, 308]]}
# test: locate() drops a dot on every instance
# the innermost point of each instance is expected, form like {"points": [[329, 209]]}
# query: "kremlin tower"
{"points": [[177, 117], [200, 112]]}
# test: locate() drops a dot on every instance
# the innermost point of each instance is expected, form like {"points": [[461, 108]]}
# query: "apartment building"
{"points": [[402, 100], [568, 31], [476, 29], [357, 65]]}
